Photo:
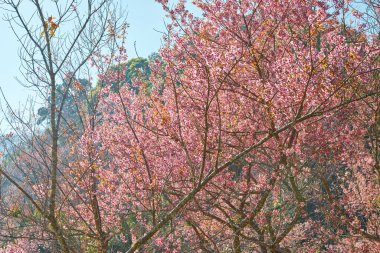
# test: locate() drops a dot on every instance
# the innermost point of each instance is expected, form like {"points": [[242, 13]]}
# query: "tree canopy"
{"points": [[255, 128]]}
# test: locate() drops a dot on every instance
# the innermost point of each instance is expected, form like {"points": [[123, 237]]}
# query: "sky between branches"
{"points": [[145, 18]]}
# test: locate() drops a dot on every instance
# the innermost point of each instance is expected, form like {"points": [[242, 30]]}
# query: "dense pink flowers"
{"points": [[257, 131]]}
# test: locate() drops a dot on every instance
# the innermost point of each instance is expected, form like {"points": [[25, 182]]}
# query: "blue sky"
{"points": [[143, 16]]}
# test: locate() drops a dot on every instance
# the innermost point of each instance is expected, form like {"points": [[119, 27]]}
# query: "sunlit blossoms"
{"points": [[255, 129]]}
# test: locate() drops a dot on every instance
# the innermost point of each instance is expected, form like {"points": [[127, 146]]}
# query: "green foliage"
{"points": [[137, 68], [15, 212], [116, 244], [69, 110]]}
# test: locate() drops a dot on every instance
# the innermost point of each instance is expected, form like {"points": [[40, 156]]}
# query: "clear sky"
{"points": [[144, 17]]}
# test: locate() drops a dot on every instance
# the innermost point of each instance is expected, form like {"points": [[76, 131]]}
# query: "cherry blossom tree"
{"points": [[255, 112], [256, 129]]}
